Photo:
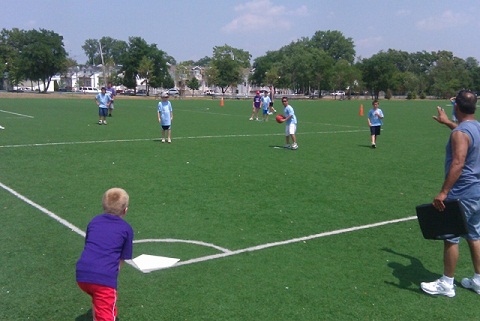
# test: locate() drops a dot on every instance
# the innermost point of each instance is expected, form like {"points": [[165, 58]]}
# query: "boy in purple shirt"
{"points": [[108, 243], [257, 101]]}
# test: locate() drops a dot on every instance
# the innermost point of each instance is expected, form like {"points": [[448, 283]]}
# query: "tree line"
{"points": [[325, 61]]}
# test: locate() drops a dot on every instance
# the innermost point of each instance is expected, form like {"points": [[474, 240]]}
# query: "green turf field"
{"points": [[292, 235]]}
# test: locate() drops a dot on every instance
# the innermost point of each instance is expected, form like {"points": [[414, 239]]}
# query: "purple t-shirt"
{"points": [[257, 100], [109, 239]]}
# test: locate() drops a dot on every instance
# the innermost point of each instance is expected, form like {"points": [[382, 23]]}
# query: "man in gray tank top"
{"points": [[462, 182]]}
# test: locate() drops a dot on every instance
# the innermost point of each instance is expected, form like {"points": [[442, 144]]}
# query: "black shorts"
{"points": [[271, 104], [375, 130]]}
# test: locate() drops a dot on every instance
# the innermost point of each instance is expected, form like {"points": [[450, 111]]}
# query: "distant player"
{"points": [[257, 101], [266, 106], [375, 116], [165, 117], [112, 92], [290, 121], [103, 102]]}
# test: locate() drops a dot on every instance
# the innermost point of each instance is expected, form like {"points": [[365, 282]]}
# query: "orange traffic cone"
{"points": [[361, 110], [221, 102]]}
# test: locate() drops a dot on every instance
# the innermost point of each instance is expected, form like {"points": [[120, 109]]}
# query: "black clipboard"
{"points": [[437, 225]]}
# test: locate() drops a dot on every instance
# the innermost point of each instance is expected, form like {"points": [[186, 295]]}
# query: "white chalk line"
{"points": [[175, 138], [22, 115], [225, 252], [43, 210]]}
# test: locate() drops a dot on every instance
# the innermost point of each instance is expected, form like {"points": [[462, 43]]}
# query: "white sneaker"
{"points": [[104, 122], [163, 140], [251, 118], [1, 127], [468, 283], [169, 140], [286, 146], [295, 146], [438, 287]]}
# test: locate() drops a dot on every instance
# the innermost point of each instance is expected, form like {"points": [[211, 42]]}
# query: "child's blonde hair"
{"points": [[115, 201]]}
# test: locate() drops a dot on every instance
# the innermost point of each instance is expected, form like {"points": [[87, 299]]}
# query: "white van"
{"points": [[89, 90]]}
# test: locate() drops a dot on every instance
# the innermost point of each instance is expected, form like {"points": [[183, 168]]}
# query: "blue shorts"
{"points": [[265, 111], [472, 215], [375, 130], [102, 112]]}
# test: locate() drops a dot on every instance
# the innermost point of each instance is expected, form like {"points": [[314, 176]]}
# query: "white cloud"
{"points": [[263, 15], [444, 21]]}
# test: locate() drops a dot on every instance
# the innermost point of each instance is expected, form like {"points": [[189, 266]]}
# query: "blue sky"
{"points": [[189, 29]]}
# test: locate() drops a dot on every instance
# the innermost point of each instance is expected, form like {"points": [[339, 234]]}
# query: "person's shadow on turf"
{"points": [[409, 276], [85, 317], [89, 317]]}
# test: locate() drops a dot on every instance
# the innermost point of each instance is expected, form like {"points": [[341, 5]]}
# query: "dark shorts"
{"points": [[375, 130], [166, 127], [271, 104], [102, 112]]}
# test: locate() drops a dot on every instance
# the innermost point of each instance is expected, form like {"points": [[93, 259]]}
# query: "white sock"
{"points": [[447, 279], [476, 277]]}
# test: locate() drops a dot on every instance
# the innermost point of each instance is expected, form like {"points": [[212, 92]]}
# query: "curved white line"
{"points": [[221, 249]]}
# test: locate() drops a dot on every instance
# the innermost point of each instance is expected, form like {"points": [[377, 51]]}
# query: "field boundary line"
{"points": [[176, 138], [291, 241], [22, 115], [43, 209], [226, 252]]}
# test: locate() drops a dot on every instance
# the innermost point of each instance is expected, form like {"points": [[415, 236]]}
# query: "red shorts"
{"points": [[104, 301]]}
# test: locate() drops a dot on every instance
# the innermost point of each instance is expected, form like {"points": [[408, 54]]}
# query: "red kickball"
{"points": [[279, 118]]}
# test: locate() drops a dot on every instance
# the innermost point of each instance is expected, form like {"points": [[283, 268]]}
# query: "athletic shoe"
{"points": [[374, 146], [109, 115], [100, 122], [169, 141], [104, 122], [438, 287], [468, 283], [269, 113], [1, 127], [295, 146], [286, 146], [251, 118], [163, 140]]}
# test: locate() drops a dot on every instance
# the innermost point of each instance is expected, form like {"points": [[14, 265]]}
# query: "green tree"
{"points": [[449, 75], [228, 66], [334, 44], [42, 56], [132, 57], [145, 69], [193, 84], [378, 72]]}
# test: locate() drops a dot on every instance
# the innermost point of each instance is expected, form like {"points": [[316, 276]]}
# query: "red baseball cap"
{"points": [[258, 92]]}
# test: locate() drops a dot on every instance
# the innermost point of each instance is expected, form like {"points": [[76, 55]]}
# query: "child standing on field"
{"points": [[108, 243], [375, 116], [165, 117], [290, 121]]}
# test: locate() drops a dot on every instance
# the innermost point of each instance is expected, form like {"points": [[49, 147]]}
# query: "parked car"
{"points": [[209, 92], [338, 93], [89, 90], [173, 92]]}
